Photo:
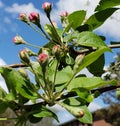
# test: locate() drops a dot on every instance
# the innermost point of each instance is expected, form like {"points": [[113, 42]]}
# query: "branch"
{"points": [[113, 46]]}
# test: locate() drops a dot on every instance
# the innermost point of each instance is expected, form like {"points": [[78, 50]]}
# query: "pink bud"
{"points": [[64, 14], [47, 7], [56, 48], [24, 56], [43, 58], [18, 40], [33, 17], [23, 17]]}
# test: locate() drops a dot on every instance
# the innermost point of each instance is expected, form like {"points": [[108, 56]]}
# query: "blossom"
{"points": [[24, 56], [43, 58], [64, 14], [23, 17], [18, 40], [34, 17], [47, 8], [56, 49]]}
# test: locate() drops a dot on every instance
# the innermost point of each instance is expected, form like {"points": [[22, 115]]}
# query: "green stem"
{"points": [[37, 30], [44, 33], [53, 85], [39, 83], [59, 40], [33, 45]]}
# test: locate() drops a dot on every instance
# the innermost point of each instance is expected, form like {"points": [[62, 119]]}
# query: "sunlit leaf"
{"points": [[76, 18], [104, 4], [88, 83]]}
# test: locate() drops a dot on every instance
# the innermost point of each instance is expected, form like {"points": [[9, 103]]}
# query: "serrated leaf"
{"points": [[100, 17], [88, 83], [104, 4], [90, 39], [76, 18]]}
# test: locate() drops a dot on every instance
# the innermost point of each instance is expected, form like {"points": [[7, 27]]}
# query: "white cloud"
{"points": [[2, 82], [24, 8]]}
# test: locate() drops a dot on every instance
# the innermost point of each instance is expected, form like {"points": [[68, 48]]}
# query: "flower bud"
{"points": [[35, 18], [23, 73], [23, 17], [24, 56], [43, 59], [18, 40], [56, 51], [78, 61], [47, 8], [64, 14]]}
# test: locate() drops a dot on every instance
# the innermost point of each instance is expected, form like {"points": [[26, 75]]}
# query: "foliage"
{"points": [[56, 67]]}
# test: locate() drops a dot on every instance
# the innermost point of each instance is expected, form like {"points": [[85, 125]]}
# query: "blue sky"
{"points": [[10, 25]]}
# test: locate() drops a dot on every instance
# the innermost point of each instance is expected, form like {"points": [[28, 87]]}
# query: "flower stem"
{"points": [[33, 45]]}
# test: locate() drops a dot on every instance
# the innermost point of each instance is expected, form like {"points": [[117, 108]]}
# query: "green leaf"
{"points": [[64, 75], [86, 116], [16, 83], [72, 101], [3, 106], [88, 83], [96, 68], [100, 17], [90, 39], [42, 111], [104, 4], [76, 18], [84, 94], [90, 58]]}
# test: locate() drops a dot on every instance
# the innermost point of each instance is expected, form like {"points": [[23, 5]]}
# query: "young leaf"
{"points": [[104, 4], [100, 17], [76, 18], [88, 83], [90, 39]]}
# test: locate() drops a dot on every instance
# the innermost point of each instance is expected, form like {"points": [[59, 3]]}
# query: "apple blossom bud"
{"points": [[23, 17], [30, 52], [64, 14], [56, 51], [78, 61], [23, 73], [24, 56], [43, 59], [35, 18], [47, 8], [18, 40]]}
